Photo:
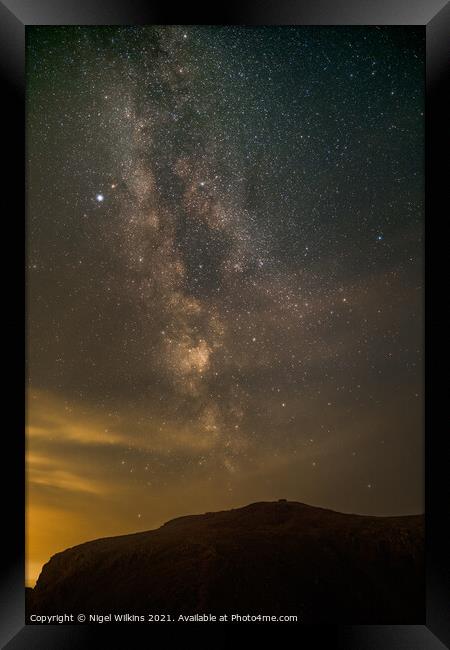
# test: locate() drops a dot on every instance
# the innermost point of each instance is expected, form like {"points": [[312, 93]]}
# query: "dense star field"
{"points": [[224, 273]]}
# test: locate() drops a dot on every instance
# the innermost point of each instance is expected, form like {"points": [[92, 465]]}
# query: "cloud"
{"points": [[57, 422], [53, 418], [46, 471]]}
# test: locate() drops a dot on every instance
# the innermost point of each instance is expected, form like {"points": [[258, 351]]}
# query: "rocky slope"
{"points": [[266, 558]]}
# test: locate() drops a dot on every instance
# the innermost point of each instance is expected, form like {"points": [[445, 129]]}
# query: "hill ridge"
{"points": [[269, 556]]}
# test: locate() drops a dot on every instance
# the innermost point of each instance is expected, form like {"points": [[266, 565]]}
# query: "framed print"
{"points": [[227, 227]]}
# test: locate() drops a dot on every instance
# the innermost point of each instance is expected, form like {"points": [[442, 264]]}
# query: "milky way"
{"points": [[224, 250]]}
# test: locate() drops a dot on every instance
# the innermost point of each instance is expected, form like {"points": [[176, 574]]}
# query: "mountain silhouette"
{"points": [[271, 558]]}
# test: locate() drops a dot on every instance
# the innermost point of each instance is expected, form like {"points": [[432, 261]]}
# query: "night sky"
{"points": [[224, 274]]}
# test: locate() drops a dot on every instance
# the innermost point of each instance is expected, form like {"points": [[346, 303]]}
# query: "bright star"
{"points": [[100, 198]]}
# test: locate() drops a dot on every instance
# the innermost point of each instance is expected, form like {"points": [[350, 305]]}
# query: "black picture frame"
{"points": [[15, 15]]}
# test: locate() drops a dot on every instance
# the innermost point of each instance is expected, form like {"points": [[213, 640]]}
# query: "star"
{"points": [[257, 179]]}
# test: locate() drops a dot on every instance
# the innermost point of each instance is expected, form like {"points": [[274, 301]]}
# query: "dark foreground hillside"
{"points": [[266, 558]]}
